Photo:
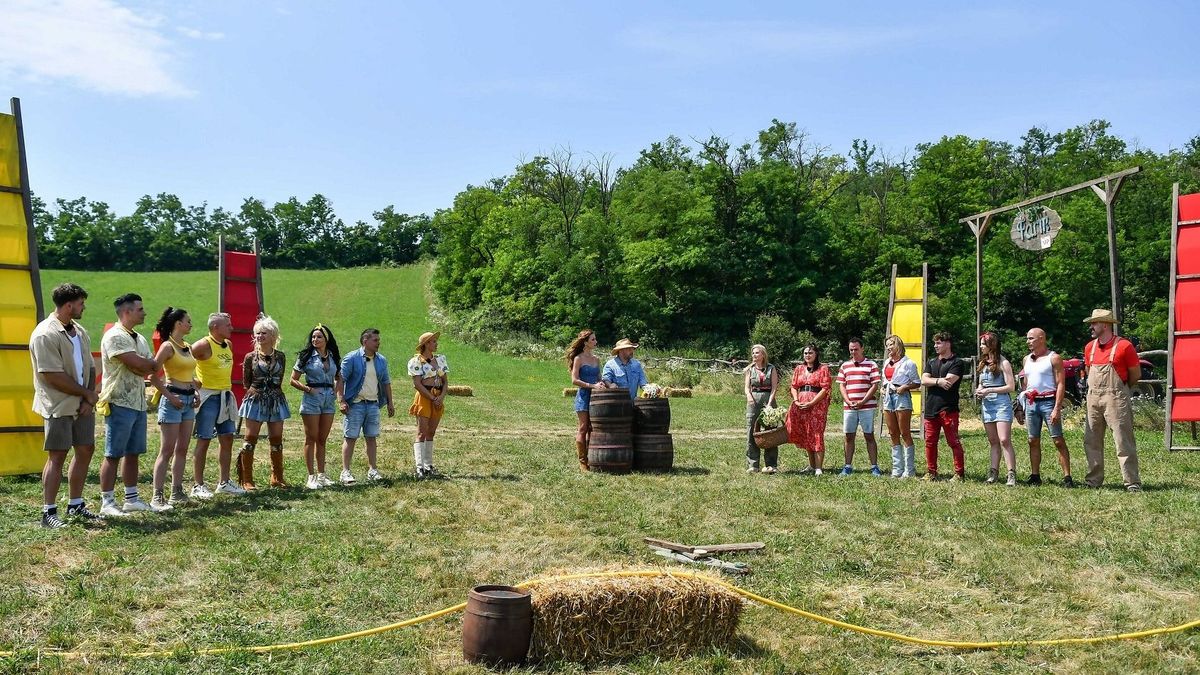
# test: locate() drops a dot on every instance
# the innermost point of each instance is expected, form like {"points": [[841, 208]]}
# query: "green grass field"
{"points": [[962, 562]]}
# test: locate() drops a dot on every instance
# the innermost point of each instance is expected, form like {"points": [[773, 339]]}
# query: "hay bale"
{"points": [[460, 390], [613, 619], [569, 392], [673, 392]]}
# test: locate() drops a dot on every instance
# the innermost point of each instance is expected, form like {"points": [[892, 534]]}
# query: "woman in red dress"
{"points": [[806, 418]]}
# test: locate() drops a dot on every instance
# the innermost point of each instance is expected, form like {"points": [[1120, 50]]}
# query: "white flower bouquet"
{"points": [[653, 391]]}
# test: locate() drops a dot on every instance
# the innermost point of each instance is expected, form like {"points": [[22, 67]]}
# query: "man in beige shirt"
{"points": [[64, 380]]}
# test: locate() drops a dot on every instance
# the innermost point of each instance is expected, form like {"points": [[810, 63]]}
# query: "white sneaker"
{"points": [[135, 504], [324, 480], [111, 510], [818, 472], [313, 483], [373, 476], [347, 478], [230, 488], [159, 505], [201, 491]]}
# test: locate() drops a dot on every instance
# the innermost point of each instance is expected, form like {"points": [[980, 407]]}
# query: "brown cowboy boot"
{"points": [[246, 467], [277, 480], [581, 454]]}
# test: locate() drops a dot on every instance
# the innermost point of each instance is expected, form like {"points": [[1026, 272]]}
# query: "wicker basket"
{"points": [[771, 438]]}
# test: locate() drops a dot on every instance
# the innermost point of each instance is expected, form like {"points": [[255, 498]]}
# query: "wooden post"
{"points": [[1170, 381], [1108, 195], [35, 275]]}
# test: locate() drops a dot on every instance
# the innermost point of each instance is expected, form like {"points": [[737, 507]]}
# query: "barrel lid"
{"points": [[494, 592]]}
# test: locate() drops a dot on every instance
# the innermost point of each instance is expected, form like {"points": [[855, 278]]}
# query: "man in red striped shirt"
{"points": [[858, 379]]}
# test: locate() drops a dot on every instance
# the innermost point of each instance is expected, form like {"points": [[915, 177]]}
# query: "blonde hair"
{"points": [[887, 342], [766, 355], [268, 326]]}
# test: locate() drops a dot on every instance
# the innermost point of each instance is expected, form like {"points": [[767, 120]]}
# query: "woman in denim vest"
{"points": [[761, 381], [320, 363], [994, 389]]}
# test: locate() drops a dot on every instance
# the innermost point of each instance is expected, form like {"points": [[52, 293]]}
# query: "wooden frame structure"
{"points": [[1172, 334], [236, 273], [21, 437], [980, 223], [923, 301]]}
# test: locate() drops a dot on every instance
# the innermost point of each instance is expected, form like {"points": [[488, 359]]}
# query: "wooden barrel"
{"points": [[653, 452], [611, 410], [651, 416], [497, 625], [610, 451]]}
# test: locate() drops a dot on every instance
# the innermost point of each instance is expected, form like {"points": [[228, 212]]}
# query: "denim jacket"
{"points": [[353, 370]]}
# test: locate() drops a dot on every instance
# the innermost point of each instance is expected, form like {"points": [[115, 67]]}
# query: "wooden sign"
{"points": [[1035, 228]]}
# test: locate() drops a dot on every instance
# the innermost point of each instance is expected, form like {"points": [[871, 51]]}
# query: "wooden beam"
{"points": [[1057, 193]]}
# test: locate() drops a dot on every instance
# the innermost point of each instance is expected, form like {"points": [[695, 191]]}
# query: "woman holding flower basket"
{"points": [[760, 382], [811, 383]]}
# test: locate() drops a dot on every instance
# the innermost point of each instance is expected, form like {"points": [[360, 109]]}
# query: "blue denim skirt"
{"points": [[997, 408]]}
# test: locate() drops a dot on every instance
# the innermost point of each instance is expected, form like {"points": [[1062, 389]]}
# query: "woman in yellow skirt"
{"points": [[430, 375]]}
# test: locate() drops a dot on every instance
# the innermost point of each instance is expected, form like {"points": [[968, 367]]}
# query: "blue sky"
{"points": [[378, 103]]}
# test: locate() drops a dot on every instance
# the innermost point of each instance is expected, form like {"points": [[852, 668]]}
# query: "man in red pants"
{"points": [[942, 377]]}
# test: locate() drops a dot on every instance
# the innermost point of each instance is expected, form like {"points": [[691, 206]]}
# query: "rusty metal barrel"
{"points": [[497, 625]]}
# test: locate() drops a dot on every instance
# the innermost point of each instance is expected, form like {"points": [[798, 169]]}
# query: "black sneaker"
{"points": [[1034, 480], [1068, 482], [82, 513], [51, 521]]}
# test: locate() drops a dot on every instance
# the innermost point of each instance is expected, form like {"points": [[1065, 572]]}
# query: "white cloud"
{"points": [[95, 44], [199, 34]]}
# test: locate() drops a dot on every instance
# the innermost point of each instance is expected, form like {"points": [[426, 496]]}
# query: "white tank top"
{"points": [[1039, 374]]}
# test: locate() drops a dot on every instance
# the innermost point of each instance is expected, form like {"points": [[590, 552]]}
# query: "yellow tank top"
{"points": [[216, 371], [181, 367]]}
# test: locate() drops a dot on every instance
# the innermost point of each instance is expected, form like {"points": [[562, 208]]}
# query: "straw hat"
{"points": [[426, 337], [1101, 316], [624, 343]]}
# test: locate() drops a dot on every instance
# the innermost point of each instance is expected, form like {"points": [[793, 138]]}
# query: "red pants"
{"points": [[948, 420]]}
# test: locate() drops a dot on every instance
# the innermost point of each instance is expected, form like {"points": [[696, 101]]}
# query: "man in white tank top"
{"points": [[1042, 399]]}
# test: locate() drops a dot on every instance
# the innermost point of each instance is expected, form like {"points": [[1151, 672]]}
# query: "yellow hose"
{"points": [[952, 644]]}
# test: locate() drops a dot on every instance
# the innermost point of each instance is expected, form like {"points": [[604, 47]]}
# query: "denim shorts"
{"points": [[897, 401], [252, 409], [169, 414], [1040, 410], [856, 419], [124, 432], [997, 408], [361, 417], [206, 419], [320, 402]]}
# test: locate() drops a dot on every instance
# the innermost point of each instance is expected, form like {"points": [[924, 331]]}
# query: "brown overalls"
{"points": [[1108, 405]]}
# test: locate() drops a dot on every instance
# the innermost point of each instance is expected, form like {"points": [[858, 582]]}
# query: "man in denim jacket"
{"points": [[365, 387], [622, 370]]}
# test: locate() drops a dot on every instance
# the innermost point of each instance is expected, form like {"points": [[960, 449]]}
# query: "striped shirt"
{"points": [[858, 376]]}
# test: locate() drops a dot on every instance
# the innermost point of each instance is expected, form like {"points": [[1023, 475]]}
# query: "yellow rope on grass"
{"points": [[952, 644]]}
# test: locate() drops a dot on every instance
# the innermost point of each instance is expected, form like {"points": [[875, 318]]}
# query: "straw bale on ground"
{"points": [[613, 619], [460, 390]]}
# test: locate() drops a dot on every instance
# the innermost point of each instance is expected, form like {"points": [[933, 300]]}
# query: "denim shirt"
{"points": [[353, 370], [629, 375], [314, 370]]}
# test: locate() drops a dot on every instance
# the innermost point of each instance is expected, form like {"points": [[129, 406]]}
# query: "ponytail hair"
{"points": [[166, 322]]}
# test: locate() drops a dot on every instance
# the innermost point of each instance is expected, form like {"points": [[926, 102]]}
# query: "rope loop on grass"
{"points": [[875, 632]]}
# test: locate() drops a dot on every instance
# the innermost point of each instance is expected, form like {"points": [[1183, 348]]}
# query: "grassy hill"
{"points": [[967, 561]]}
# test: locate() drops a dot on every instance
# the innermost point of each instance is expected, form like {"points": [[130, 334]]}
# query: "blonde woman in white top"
{"points": [[430, 376], [900, 379]]}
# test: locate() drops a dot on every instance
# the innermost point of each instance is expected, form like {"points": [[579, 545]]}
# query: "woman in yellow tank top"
{"points": [[177, 408]]}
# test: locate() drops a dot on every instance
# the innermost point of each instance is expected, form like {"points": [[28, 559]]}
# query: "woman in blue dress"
{"points": [[585, 374]]}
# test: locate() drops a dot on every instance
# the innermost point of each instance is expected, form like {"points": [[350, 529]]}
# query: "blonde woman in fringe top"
{"points": [[760, 382], [262, 373], [430, 376]]}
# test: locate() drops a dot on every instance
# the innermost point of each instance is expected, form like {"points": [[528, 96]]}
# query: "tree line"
{"points": [[162, 233], [695, 242]]}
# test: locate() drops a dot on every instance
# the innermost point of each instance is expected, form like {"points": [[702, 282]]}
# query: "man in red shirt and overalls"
{"points": [[1113, 369]]}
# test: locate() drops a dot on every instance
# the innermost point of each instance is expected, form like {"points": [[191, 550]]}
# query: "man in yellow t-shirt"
{"points": [[217, 415]]}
